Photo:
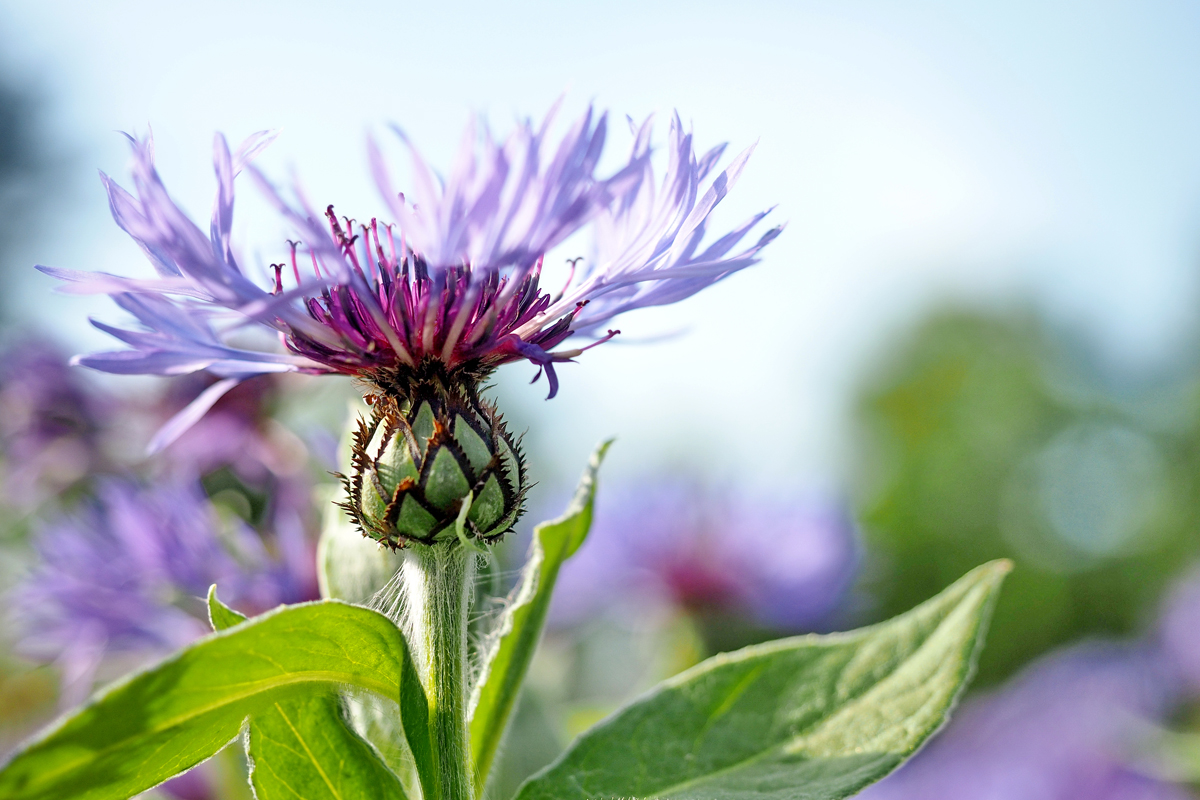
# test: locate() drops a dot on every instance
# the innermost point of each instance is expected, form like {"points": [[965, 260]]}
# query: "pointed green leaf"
{"points": [[302, 747], [221, 616], [445, 481], [424, 425], [521, 627], [413, 519], [174, 715], [472, 444], [814, 717], [488, 507], [395, 465]]}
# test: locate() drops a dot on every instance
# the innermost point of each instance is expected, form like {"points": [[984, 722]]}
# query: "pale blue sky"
{"points": [[918, 150]]}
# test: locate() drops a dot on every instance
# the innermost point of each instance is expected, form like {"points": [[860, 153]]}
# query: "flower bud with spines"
{"points": [[420, 454]]}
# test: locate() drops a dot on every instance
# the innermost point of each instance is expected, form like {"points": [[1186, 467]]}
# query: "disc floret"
{"points": [[399, 313]]}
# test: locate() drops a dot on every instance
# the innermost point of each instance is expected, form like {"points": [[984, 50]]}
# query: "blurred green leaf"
{"points": [[520, 628], [350, 566], [990, 436], [816, 717], [302, 747], [174, 715]]}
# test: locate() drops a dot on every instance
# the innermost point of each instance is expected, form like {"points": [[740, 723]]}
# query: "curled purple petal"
{"points": [[179, 424]]}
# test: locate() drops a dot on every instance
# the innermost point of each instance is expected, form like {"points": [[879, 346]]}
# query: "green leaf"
{"points": [[814, 717], [520, 629], [221, 616], [174, 715], [418, 731], [354, 568], [303, 748]]}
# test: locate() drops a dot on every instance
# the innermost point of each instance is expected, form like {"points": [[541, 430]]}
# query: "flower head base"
{"points": [[422, 458], [454, 287]]}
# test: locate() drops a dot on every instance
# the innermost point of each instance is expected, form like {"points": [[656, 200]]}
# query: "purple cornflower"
{"points": [[49, 424], [786, 564], [239, 436], [127, 572], [452, 288]]}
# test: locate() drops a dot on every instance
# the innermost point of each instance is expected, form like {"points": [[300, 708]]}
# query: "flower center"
{"points": [[394, 312]]}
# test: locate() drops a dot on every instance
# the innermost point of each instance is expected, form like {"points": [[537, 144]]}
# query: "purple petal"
{"points": [[177, 425]]}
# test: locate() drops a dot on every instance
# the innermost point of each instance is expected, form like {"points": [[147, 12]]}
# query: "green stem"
{"points": [[437, 584]]}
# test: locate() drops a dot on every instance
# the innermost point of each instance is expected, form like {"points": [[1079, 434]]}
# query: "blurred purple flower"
{"points": [[196, 784], [127, 573], [1178, 634], [240, 436], [49, 424], [1062, 730], [786, 564], [455, 288]]}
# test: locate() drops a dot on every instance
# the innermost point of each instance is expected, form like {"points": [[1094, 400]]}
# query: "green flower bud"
{"points": [[419, 456]]}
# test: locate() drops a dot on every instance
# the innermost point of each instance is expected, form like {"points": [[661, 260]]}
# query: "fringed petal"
{"points": [[178, 425]]}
